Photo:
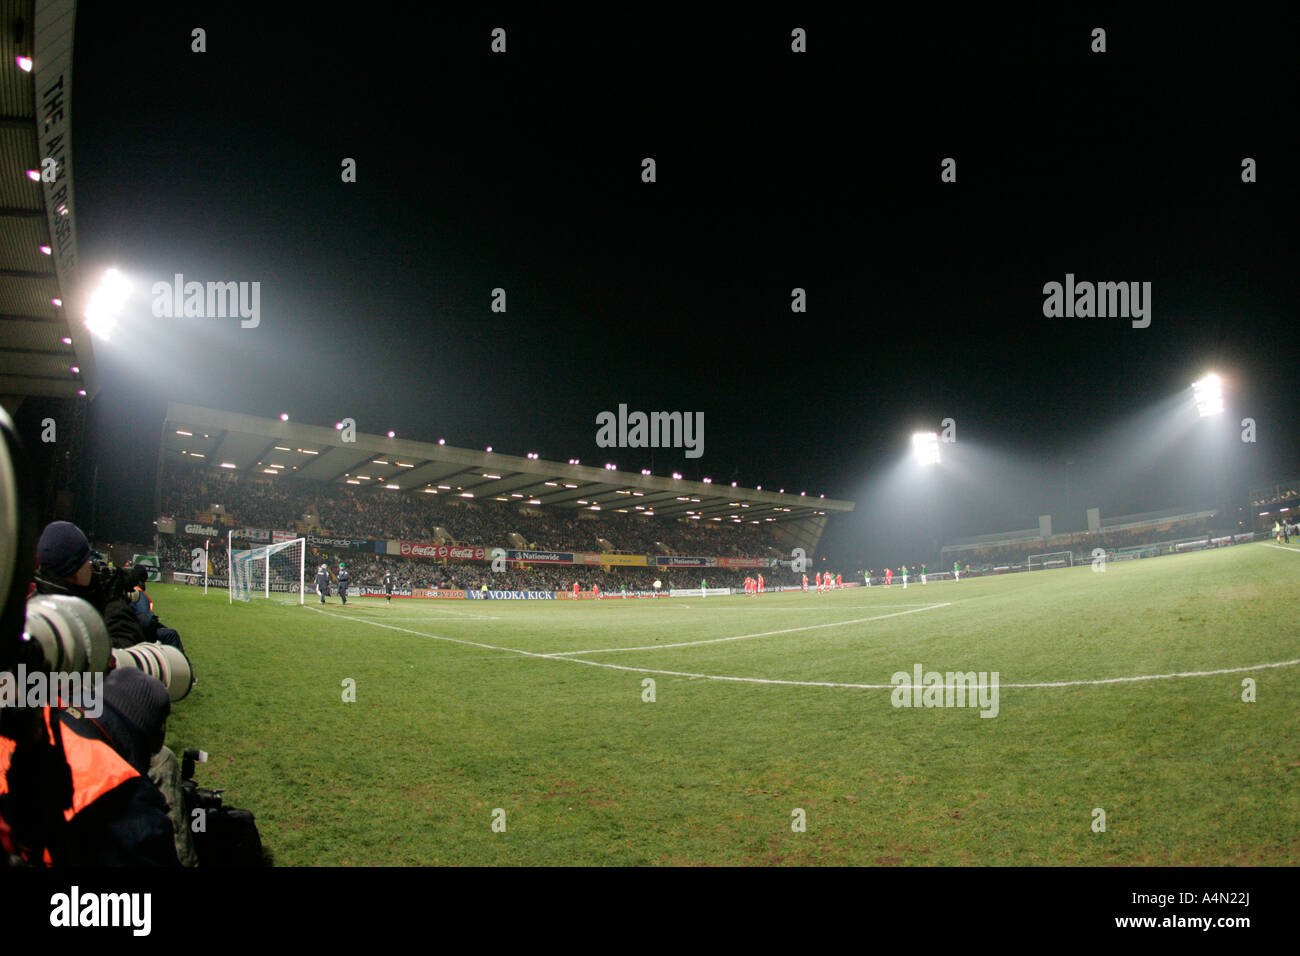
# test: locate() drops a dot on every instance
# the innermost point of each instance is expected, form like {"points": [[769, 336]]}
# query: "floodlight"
{"points": [[1209, 395], [926, 447], [106, 303], [284, 416]]}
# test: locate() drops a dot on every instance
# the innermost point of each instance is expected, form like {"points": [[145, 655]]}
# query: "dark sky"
{"points": [[775, 170]]}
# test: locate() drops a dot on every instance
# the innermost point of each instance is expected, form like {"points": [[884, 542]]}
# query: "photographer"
{"points": [[72, 792], [66, 568]]}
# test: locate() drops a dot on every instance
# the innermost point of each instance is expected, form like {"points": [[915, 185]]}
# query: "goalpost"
{"points": [[273, 569], [1052, 559]]}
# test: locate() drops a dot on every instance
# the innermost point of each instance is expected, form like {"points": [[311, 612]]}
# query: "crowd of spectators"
{"points": [[286, 503]]}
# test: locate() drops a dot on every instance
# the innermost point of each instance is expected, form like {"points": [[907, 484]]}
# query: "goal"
{"points": [[274, 571], [1053, 559]]}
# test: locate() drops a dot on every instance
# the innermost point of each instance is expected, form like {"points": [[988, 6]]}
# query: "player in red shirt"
{"points": [[595, 591], [760, 584], [575, 588], [839, 580], [805, 583], [889, 576], [819, 582]]}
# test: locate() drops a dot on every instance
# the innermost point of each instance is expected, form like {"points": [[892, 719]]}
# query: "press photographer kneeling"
{"points": [[85, 779]]}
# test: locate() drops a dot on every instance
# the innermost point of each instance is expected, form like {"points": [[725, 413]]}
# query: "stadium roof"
{"points": [[266, 446], [40, 343]]}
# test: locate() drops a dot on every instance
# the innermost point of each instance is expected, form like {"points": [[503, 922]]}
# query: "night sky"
{"points": [[775, 170]]}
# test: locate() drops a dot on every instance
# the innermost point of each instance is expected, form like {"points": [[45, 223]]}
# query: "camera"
{"points": [[72, 638], [113, 584], [223, 836]]}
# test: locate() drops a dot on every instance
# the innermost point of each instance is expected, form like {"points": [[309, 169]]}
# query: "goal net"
{"points": [[275, 572], [1053, 559]]}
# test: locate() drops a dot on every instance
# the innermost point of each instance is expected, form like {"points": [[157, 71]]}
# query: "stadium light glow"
{"points": [[1209, 395], [442, 441], [284, 416], [66, 340], [392, 434], [34, 175], [677, 475], [228, 464], [82, 393], [926, 447], [106, 303], [47, 250], [24, 63]]}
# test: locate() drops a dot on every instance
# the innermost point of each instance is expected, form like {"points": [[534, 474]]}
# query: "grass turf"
{"points": [[447, 726]]}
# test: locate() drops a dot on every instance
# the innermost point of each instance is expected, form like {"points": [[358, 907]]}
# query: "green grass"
{"points": [[442, 733]]}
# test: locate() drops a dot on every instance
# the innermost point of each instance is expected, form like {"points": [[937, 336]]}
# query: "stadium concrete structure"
{"points": [[265, 448], [47, 357], [44, 351]]}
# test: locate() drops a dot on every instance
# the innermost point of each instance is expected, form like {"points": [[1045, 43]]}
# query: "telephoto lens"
{"points": [[70, 632], [161, 661]]}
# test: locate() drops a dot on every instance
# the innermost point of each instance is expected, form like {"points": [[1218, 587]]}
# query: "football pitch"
{"points": [[1146, 715]]}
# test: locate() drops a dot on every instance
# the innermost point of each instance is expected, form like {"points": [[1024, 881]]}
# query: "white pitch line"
{"points": [[742, 637], [1280, 547], [794, 683]]}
